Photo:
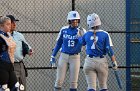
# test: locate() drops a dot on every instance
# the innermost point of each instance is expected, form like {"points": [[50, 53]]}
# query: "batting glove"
{"points": [[114, 65], [53, 61]]}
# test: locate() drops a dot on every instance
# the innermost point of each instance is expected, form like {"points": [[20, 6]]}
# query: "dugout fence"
{"points": [[41, 76], [41, 20]]}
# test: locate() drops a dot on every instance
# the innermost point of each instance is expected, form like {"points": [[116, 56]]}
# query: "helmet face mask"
{"points": [[93, 20], [73, 15]]}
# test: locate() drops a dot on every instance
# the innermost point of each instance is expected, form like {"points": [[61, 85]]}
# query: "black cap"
{"points": [[12, 18]]}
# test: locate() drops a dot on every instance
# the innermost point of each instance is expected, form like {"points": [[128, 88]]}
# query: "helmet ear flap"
{"points": [[78, 20], [69, 21]]}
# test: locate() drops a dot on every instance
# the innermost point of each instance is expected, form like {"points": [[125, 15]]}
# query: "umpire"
{"points": [[22, 49]]}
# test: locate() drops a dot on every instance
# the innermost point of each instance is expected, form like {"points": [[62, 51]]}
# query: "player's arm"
{"points": [[82, 40], [58, 44], [83, 37], [81, 31], [111, 55], [110, 51], [56, 49]]}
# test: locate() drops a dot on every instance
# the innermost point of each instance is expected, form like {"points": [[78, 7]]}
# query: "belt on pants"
{"points": [[70, 54], [19, 61], [92, 56]]}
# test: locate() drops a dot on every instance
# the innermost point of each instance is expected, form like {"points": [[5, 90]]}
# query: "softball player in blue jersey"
{"points": [[68, 40], [98, 44]]}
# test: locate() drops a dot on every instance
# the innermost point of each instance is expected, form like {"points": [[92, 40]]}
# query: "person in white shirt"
{"points": [[20, 53]]}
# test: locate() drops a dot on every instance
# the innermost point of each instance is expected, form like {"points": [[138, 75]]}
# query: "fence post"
{"points": [[73, 5], [128, 63]]}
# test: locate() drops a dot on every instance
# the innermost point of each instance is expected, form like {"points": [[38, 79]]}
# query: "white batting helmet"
{"points": [[93, 20], [72, 15]]}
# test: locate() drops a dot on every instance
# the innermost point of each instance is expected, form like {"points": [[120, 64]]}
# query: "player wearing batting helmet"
{"points": [[98, 44], [68, 40]]}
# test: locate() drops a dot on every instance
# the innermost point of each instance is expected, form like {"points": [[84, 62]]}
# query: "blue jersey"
{"points": [[68, 40], [103, 41]]}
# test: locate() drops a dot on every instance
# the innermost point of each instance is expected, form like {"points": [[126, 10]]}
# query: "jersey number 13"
{"points": [[71, 43]]}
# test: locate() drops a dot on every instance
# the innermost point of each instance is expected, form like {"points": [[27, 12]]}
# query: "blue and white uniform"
{"points": [[68, 40], [98, 44], [96, 66], [103, 41]]}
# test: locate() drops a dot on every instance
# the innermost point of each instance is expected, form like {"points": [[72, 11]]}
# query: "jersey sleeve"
{"points": [[82, 40], [59, 42], [109, 46], [110, 40]]}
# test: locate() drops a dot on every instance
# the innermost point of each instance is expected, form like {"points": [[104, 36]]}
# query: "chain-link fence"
{"points": [[42, 77], [41, 20]]}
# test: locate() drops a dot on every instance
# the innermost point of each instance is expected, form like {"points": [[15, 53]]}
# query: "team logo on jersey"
{"points": [[67, 36]]}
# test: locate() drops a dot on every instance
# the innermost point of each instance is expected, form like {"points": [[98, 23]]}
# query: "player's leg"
{"points": [[74, 62], [3, 80], [61, 71], [13, 83], [103, 74], [90, 73]]}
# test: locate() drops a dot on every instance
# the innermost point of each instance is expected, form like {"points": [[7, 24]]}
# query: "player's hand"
{"points": [[81, 31], [53, 61], [30, 52], [114, 65]]}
